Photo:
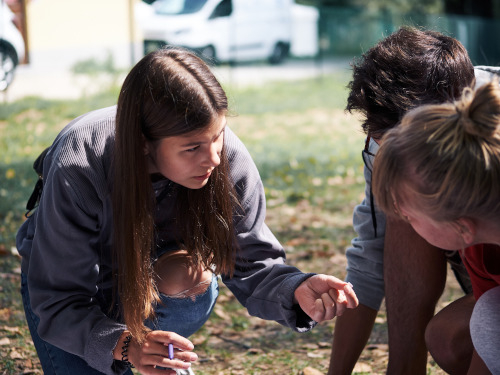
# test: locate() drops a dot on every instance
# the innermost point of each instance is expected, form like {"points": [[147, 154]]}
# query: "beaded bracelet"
{"points": [[124, 351]]}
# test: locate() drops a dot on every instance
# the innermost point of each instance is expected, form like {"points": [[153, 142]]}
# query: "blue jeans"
{"points": [[181, 315]]}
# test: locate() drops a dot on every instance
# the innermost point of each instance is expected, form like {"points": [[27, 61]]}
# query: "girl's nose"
{"points": [[213, 158]]}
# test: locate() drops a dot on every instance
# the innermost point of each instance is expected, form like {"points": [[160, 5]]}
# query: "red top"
{"points": [[483, 265]]}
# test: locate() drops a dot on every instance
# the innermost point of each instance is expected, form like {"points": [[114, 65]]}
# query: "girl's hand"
{"points": [[323, 297], [151, 357]]}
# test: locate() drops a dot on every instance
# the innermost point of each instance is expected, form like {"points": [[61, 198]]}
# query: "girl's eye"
{"points": [[192, 149]]}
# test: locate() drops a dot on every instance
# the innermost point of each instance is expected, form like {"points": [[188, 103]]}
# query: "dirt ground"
{"points": [[232, 342]]}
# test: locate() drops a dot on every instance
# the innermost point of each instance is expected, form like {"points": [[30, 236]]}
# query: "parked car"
{"points": [[11, 46], [221, 30]]}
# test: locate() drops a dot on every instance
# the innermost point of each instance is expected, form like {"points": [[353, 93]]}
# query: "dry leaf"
{"points": [[362, 367], [15, 355], [3, 250], [223, 298], [315, 355], [5, 314], [263, 366], [11, 329], [216, 331], [221, 314], [28, 364], [311, 371], [198, 340]]}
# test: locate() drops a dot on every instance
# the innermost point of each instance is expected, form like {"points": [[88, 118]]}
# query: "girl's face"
{"points": [[189, 159], [443, 234]]}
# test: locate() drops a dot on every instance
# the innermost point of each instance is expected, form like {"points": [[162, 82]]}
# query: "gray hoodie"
{"points": [[66, 244]]}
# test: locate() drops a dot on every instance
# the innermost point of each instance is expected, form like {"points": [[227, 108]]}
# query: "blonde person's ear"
{"points": [[466, 229]]}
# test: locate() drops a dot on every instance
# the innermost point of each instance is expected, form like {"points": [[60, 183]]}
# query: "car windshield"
{"points": [[173, 7]]}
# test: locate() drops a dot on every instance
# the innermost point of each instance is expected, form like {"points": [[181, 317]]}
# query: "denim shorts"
{"points": [[181, 315], [185, 315]]}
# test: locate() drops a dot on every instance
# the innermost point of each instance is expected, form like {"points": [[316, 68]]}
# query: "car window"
{"points": [[223, 9], [174, 7]]}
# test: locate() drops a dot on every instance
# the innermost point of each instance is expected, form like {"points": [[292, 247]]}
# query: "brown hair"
{"points": [[168, 93], [448, 155], [408, 68]]}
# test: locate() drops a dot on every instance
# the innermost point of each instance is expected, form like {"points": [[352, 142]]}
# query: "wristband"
{"points": [[125, 350]]}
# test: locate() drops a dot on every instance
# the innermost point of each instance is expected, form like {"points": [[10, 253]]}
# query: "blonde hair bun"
{"points": [[479, 112]]}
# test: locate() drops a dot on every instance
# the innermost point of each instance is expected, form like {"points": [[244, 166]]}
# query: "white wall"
{"points": [[62, 32]]}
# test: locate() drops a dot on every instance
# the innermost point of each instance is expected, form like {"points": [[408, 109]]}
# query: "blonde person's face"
{"points": [[188, 159], [445, 235]]}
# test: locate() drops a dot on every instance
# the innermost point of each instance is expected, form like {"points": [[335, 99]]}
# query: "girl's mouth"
{"points": [[203, 177]]}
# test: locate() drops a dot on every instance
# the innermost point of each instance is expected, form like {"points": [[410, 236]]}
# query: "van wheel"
{"points": [[7, 67], [208, 53], [280, 52]]}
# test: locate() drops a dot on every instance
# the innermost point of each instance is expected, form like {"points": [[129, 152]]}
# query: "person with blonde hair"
{"points": [[141, 207], [439, 170]]}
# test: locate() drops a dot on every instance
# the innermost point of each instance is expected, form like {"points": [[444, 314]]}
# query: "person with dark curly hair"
{"points": [[388, 258]]}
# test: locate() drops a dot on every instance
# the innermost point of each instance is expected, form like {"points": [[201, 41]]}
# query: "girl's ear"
{"points": [[467, 229]]}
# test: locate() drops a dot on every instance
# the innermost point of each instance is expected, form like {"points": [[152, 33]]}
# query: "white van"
{"points": [[223, 30]]}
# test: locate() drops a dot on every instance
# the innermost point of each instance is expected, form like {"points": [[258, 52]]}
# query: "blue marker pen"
{"points": [[170, 351]]}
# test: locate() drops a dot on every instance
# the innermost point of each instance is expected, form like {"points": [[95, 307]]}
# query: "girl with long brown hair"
{"points": [[440, 171], [143, 205]]}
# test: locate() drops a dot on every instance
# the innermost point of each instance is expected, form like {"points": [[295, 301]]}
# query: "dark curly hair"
{"points": [[406, 69]]}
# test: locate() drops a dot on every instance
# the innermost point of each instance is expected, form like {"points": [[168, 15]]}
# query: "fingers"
{"points": [[334, 282], [323, 297], [334, 303], [352, 299], [159, 365], [177, 363], [341, 302], [325, 307], [346, 296], [154, 353], [180, 351], [319, 310], [164, 338], [182, 356]]}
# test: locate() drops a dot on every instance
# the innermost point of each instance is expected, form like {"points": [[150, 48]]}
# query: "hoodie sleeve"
{"points": [[262, 281]]}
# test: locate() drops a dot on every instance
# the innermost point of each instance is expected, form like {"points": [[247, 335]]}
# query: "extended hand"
{"points": [[323, 297]]}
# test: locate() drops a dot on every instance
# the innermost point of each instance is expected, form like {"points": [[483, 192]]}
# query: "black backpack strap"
{"points": [[34, 199]]}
